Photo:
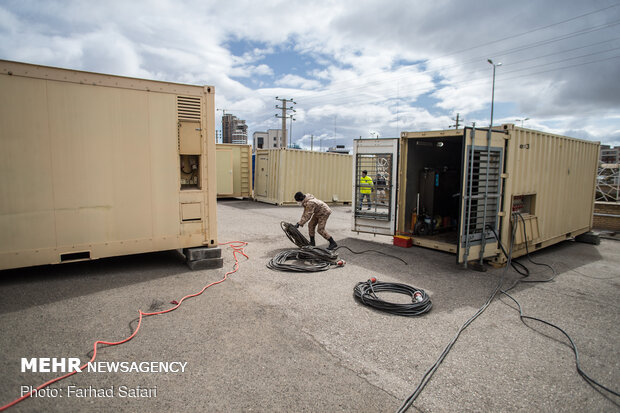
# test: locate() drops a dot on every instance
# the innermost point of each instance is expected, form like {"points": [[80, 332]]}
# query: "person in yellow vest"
{"points": [[365, 189]]}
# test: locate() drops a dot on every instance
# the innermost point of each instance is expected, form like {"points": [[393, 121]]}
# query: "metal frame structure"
{"points": [[377, 165], [608, 183]]}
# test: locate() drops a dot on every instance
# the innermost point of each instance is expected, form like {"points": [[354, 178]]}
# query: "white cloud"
{"points": [[297, 82], [356, 49]]}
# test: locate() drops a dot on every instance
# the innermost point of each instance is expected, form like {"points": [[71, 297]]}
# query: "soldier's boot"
{"points": [[332, 244], [312, 241]]}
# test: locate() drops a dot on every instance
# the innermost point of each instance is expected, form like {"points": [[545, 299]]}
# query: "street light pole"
{"points": [[522, 120], [493, 89], [483, 240]]}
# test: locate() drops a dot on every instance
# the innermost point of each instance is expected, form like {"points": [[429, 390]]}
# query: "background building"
{"points": [[234, 130], [338, 149], [609, 154], [260, 140], [268, 140]]}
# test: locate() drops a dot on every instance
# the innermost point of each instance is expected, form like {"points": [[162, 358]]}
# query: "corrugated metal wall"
{"points": [[280, 173], [241, 170], [560, 172]]}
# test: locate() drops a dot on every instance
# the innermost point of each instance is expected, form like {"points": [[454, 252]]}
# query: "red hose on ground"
{"points": [[237, 247]]}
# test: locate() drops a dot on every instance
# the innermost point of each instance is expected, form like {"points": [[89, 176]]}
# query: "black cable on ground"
{"points": [[294, 235], [522, 269], [305, 259], [365, 292], [595, 384], [517, 266], [378, 252], [429, 373], [587, 378], [527, 253], [300, 240]]}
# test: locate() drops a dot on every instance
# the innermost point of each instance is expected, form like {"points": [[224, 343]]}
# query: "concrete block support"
{"points": [[202, 258]]}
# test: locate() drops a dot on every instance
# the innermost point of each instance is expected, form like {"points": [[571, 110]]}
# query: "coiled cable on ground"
{"points": [[305, 259], [294, 235], [297, 238], [366, 293]]}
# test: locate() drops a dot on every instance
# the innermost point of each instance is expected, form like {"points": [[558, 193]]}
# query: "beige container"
{"points": [[95, 165], [280, 173], [234, 170], [446, 180], [549, 179]]}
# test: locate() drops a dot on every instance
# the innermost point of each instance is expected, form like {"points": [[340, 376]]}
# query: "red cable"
{"points": [[237, 247]]}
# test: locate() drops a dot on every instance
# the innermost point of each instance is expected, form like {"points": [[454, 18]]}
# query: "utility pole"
{"points": [[335, 130], [284, 116], [456, 125], [312, 142], [291, 128]]}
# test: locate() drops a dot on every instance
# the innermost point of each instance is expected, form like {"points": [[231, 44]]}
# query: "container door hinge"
{"points": [[504, 176]]}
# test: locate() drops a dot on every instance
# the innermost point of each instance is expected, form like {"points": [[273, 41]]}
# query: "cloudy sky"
{"points": [[354, 67]]}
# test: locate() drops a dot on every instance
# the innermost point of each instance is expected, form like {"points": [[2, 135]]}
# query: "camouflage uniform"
{"points": [[319, 211]]}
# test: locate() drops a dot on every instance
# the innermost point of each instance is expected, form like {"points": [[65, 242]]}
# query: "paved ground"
{"points": [[269, 341]]}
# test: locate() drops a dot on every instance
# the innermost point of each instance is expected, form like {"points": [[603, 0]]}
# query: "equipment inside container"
{"points": [[433, 185]]}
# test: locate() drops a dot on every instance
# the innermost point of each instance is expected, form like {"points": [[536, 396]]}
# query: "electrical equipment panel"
{"points": [[190, 149], [190, 171], [439, 189], [524, 204]]}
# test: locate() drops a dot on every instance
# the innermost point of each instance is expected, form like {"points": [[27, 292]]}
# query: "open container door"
{"points": [[481, 194], [374, 200]]}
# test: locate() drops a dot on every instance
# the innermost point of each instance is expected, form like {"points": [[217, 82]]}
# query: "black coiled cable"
{"points": [[365, 292], [294, 235], [305, 259]]}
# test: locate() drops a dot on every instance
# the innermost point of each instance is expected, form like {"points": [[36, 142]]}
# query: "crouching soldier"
{"points": [[319, 212]]}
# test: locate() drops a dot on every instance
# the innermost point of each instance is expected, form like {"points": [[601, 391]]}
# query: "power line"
{"points": [[338, 94], [347, 99], [320, 95], [562, 51], [470, 82], [497, 54], [379, 72], [535, 30]]}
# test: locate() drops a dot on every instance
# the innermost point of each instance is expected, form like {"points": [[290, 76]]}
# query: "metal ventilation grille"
{"points": [[188, 108], [482, 192]]}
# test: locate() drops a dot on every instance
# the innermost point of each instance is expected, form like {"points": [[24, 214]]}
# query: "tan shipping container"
{"points": [[280, 173], [95, 165], [449, 197], [234, 170]]}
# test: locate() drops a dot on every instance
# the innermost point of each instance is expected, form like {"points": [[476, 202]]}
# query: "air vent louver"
{"points": [[188, 108]]}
